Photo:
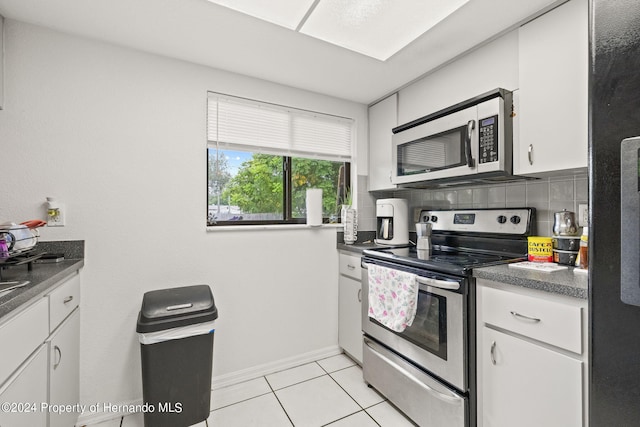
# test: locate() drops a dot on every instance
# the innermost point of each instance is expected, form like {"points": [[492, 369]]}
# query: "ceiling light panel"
{"points": [[286, 13], [376, 28]]}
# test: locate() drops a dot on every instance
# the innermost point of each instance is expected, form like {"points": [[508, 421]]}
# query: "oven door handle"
{"points": [[442, 284], [436, 393]]}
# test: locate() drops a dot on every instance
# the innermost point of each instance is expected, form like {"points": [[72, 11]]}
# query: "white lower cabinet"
{"points": [[350, 322], [41, 369], [24, 392], [64, 375], [526, 385], [531, 357], [350, 306]]}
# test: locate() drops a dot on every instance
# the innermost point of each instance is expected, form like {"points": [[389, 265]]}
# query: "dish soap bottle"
{"points": [[583, 254]]}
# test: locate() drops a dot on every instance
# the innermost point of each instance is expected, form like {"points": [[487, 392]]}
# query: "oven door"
{"points": [[443, 148], [436, 339]]}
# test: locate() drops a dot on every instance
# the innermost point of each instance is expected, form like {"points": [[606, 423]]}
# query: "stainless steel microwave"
{"points": [[469, 141]]}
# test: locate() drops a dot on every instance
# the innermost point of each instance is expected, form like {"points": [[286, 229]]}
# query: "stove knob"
{"points": [[502, 219], [434, 218], [515, 219], [425, 218]]}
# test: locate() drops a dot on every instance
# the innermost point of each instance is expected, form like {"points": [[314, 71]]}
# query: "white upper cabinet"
{"points": [[383, 117], [552, 112]]}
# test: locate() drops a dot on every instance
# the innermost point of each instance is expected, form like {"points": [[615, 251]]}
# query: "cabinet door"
{"points": [[28, 385], [526, 385], [553, 70], [350, 318], [64, 374], [383, 117], [21, 335]]}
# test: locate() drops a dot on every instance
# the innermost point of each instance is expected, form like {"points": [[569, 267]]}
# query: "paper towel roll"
{"points": [[314, 206]]}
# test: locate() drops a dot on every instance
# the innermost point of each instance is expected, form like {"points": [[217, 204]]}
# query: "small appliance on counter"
{"points": [[566, 238], [392, 219], [423, 234]]}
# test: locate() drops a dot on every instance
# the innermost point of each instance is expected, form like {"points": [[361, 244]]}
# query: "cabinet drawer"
{"points": [[552, 322], [21, 335], [63, 300], [350, 266]]}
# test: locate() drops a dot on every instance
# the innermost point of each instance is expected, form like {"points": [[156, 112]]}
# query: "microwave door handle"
{"points": [[467, 143]]}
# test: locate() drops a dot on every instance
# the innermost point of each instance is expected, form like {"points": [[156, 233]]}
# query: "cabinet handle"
{"points": [[522, 316], [57, 350], [530, 154], [351, 267], [359, 295], [68, 299], [493, 352]]}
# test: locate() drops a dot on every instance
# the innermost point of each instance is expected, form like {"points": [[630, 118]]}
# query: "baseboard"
{"points": [[269, 368], [220, 381]]}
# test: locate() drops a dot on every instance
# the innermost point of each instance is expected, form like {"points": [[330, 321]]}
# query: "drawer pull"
{"points": [[351, 267], [522, 316], [68, 299], [59, 352], [360, 295], [493, 352]]}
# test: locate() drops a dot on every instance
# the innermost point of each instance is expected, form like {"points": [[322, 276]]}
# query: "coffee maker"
{"points": [[392, 222]]}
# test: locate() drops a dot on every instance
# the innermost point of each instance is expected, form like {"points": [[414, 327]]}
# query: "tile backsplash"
{"points": [[547, 195]]}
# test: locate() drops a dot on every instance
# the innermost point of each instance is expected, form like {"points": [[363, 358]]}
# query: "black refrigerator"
{"points": [[614, 115]]}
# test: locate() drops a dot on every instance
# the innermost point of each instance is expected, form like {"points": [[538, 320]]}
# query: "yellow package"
{"points": [[540, 249]]}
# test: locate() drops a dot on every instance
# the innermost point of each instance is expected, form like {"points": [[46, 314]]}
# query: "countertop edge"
{"points": [[38, 287], [565, 283]]}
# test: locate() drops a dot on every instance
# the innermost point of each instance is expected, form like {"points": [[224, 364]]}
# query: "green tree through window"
{"points": [[257, 188]]}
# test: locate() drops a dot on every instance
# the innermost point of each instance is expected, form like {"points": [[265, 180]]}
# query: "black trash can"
{"points": [[176, 329]]}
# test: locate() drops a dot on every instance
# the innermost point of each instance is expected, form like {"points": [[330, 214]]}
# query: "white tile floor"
{"points": [[326, 392]]}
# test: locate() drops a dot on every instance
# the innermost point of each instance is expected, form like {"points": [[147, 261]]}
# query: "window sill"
{"points": [[271, 227]]}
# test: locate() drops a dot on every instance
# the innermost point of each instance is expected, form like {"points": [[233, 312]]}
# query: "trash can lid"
{"points": [[174, 307]]}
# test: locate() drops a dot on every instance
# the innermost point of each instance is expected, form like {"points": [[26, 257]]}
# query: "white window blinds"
{"points": [[237, 123]]}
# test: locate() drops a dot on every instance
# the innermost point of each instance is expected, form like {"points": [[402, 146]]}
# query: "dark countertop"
{"points": [[42, 277], [358, 247], [564, 282]]}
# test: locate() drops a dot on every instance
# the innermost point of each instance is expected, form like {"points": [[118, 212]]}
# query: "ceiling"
{"points": [[201, 32], [370, 27]]}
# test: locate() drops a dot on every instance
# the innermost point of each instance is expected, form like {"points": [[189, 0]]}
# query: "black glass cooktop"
{"points": [[446, 260]]}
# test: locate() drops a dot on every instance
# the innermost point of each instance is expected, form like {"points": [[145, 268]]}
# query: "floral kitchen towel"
{"points": [[393, 297]]}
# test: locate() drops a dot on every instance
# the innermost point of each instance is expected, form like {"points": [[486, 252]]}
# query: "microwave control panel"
{"points": [[488, 132]]}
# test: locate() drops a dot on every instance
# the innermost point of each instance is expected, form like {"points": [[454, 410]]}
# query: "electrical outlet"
{"points": [[55, 216], [583, 215]]}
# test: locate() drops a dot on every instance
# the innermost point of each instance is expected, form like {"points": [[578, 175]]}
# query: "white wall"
{"points": [[119, 136]]}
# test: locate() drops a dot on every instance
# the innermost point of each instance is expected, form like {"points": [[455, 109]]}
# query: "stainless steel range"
{"points": [[428, 369]]}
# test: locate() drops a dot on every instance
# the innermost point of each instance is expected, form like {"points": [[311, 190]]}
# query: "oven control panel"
{"points": [[495, 221]]}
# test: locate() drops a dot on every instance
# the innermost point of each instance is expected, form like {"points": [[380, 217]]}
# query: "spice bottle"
{"points": [[584, 248]]}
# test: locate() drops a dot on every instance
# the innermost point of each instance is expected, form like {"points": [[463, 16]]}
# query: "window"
{"points": [[262, 158]]}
